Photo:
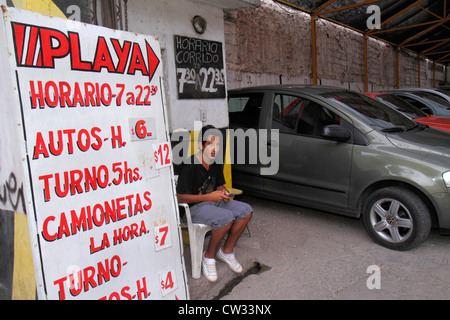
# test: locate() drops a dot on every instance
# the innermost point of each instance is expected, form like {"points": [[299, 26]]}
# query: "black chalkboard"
{"points": [[200, 68]]}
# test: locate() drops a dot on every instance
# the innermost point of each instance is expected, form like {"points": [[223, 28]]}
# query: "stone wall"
{"points": [[274, 40], [262, 44]]}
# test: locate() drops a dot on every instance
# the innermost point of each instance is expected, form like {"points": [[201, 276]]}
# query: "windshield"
{"points": [[376, 114], [439, 101], [436, 93], [444, 91], [402, 106]]}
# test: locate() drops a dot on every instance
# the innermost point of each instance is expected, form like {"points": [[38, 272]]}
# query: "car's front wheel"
{"points": [[396, 218]]}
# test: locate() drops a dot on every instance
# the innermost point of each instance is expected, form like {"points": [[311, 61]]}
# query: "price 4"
{"points": [[168, 281], [162, 156]]}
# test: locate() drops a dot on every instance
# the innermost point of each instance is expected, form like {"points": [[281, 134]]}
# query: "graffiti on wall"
{"points": [[11, 194]]}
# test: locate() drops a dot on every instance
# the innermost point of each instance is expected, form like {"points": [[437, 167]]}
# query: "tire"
{"points": [[396, 218]]}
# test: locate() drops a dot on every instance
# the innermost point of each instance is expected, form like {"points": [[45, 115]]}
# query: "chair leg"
{"points": [[197, 238], [197, 234], [196, 254]]}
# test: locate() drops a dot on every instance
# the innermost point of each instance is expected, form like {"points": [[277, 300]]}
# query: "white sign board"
{"points": [[100, 197]]}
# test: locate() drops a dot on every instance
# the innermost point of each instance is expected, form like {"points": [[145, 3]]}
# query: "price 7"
{"points": [[163, 232], [162, 237]]}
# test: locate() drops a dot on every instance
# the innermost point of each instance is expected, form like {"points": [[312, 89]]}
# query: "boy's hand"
{"points": [[218, 196]]}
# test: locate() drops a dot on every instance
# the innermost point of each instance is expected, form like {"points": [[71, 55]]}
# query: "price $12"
{"points": [[161, 154]]}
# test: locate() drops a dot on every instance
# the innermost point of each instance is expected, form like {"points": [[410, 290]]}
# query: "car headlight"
{"points": [[446, 177]]}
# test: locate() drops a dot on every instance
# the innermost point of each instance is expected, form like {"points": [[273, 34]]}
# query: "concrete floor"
{"points": [[308, 254]]}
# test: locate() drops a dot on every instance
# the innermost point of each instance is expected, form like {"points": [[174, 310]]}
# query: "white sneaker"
{"points": [[230, 260], [209, 269]]}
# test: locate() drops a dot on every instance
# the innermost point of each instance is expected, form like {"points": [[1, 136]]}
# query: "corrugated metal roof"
{"points": [[232, 4], [421, 26]]}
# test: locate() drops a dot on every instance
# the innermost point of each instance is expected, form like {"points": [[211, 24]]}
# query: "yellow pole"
{"points": [[227, 163], [397, 69], [24, 283], [42, 6], [418, 71], [434, 74], [366, 80], [314, 49]]}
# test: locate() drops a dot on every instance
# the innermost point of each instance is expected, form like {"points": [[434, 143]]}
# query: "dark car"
{"points": [[411, 111], [440, 93], [343, 152], [426, 102]]}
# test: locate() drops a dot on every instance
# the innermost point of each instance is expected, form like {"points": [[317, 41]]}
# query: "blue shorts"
{"points": [[219, 214]]}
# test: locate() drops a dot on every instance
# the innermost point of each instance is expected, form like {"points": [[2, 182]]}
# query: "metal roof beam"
{"points": [[425, 42], [440, 52], [350, 6], [406, 27], [293, 6], [322, 7], [440, 60], [445, 9], [434, 47], [424, 31], [429, 12], [325, 11], [398, 14]]}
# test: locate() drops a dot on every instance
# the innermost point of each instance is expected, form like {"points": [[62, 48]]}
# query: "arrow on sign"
{"points": [[153, 61]]}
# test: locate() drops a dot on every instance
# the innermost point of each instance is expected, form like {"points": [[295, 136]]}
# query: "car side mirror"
{"points": [[336, 132]]}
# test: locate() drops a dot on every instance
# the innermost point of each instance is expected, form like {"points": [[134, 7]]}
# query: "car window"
{"points": [[297, 115], [435, 95], [442, 103], [416, 103], [401, 105], [444, 91], [314, 118], [375, 113], [244, 109], [285, 112]]}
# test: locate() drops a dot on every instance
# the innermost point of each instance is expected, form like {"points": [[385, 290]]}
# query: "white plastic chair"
{"points": [[197, 234]]}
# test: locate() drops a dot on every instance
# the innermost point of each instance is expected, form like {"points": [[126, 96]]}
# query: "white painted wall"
{"points": [[166, 18]]}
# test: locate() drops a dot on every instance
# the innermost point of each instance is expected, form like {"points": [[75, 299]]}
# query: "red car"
{"points": [[411, 111]]}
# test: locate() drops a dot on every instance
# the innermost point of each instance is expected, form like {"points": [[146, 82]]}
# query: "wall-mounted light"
{"points": [[199, 24]]}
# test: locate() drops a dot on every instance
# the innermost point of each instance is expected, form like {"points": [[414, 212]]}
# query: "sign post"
{"points": [[90, 122]]}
